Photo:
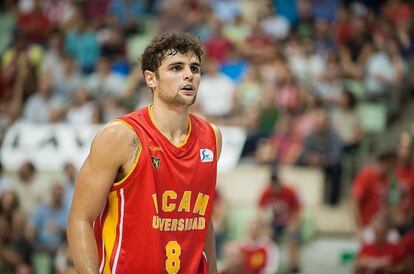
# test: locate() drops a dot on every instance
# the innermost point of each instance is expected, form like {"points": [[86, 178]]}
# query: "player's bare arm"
{"points": [[111, 156], [210, 247]]}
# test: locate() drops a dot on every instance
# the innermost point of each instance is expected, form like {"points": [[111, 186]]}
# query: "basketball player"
{"points": [[144, 195]]}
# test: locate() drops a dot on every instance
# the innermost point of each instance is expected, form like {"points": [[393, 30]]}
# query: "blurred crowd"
{"points": [[295, 74]]}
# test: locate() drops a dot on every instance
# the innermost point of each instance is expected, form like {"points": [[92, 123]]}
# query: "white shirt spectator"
{"points": [[38, 109], [102, 87], [216, 95], [276, 26], [345, 123], [379, 66], [81, 114]]}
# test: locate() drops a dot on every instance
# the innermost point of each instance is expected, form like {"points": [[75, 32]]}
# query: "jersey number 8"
{"points": [[173, 252]]}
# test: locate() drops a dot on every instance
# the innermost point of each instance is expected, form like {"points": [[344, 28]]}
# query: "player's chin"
{"points": [[187, 100]]}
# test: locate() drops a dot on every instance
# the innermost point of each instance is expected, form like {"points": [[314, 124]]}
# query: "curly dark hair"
{"points": [[169, 43]]}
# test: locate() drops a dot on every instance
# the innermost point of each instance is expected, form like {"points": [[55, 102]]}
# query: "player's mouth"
{"points": [[188, 89]]}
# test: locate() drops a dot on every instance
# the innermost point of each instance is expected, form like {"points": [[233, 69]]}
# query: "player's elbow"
{"points": [[76, 226]]}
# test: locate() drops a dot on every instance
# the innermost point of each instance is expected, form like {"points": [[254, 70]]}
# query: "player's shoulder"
{"points": [[116, 129], [200, 119], [115, 135]]}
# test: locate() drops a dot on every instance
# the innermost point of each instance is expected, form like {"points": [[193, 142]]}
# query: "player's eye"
{"points": [[195, 69], [176, 68]]}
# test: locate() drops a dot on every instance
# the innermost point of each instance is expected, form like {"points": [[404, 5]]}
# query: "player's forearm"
{"points": [[210, 249], [83, 247]]}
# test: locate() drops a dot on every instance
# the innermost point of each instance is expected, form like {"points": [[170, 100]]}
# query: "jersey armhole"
{"points": [[118, 184], [213, 128]]}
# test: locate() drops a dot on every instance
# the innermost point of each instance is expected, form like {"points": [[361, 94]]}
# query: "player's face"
{"points": [[178, 79]]}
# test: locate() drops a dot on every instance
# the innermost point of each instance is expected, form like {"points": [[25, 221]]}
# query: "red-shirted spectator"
{"points": [[370, 190], [407, 243], [260, 254], [381, 256], [217, 46], [283, 201], [34, 25], [404, 172], [257, 254]]}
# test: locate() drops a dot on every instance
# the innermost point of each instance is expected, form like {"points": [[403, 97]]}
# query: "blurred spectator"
{"points": [[308, 113], [216, 93], [284, 145], [346, 122], [306, 65], [384, 69], [237, 30], [268, 113], [82, 43], [382, 255], [58, 11], [287, 9], [287, 93], [258, 46], [34, 24], [304, 28], [19, 65], [112, 109], [356, 50], [15, 250], [324, 41], [251, 88], [235, 66], [370, 191], [217, 45], [273, 24], [47, 228], [323, 149], [82, 110], [174, 16], [227, 10], [260, 253], [96, 10], [283, 202], [256, 254], [8, 18], [104, 83], [44, 106], [330, 84], [69, 81], [53, 63], [111, 39], [5, 181], [404, 172], [128, 12], [135, 91], [325, 9], [29, 188]]}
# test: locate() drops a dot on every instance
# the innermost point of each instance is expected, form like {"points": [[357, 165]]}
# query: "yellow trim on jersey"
{"points": [[109, 229], [134, 165], [151, 115]]}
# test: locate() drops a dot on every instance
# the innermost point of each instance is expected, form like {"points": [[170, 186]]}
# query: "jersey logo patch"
{"points": [[155, 162], [206, 155]]}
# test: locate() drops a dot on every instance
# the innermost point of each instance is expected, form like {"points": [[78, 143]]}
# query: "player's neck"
{"points": [[173, 123]]}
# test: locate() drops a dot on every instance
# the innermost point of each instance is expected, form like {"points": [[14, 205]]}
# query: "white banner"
{"points": [[49, 146]]}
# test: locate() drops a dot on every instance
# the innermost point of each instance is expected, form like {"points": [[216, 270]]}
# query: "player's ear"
{"points": [[150, 78]]}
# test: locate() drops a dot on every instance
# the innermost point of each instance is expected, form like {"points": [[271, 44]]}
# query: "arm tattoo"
{"points": [[135, 144]]}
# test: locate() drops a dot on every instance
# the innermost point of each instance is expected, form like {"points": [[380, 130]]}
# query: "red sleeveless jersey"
{"points": [[156, 218]]}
